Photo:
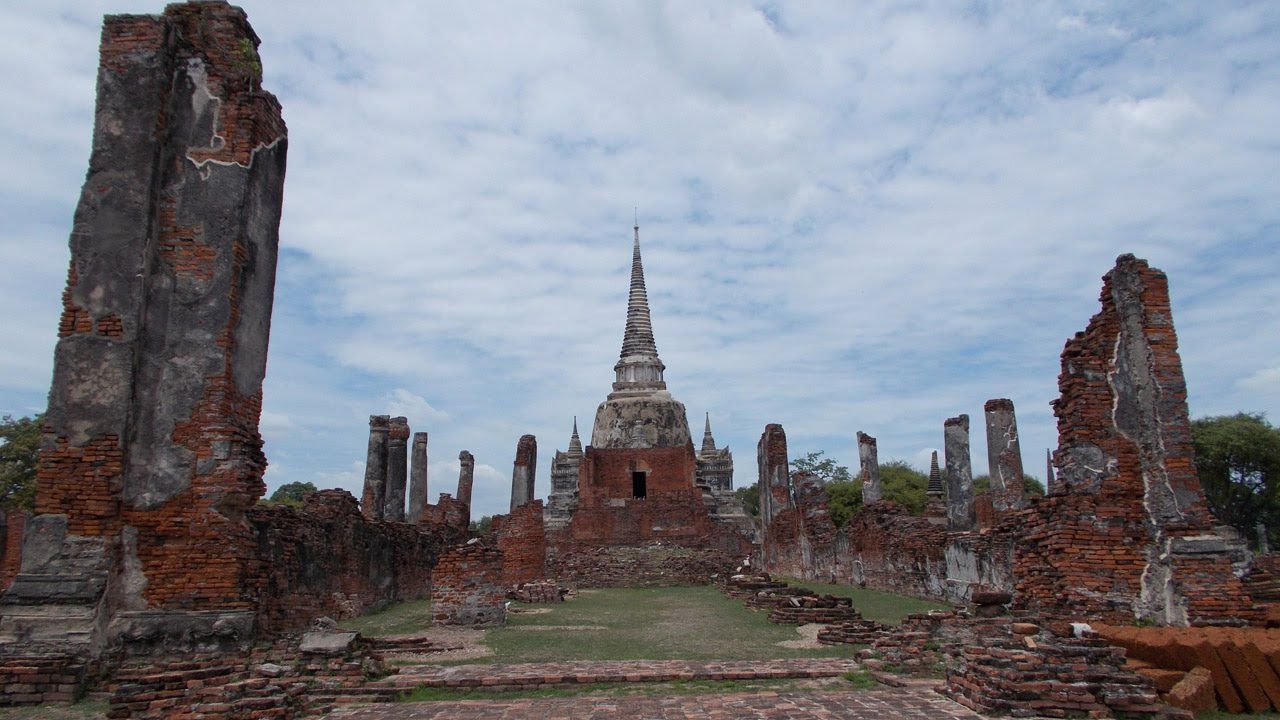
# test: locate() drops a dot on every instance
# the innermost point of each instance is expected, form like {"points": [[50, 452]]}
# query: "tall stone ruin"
{"points": [[375, 467], [775, 477], [397, 469], [869, 465], [466, 477], [153, 413], [1126, 531], [523, 471], [563, 498], [961, 514], [1004, 455], [418, 477]]}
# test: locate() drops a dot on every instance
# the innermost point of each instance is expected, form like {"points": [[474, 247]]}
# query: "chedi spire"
{"points": [[639, 370]]}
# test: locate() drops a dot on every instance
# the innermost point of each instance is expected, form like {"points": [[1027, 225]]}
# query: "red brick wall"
{"points": [[448, 512], [328, 559], [523, 542], [889, 549], [15, 522], [467, 587]]}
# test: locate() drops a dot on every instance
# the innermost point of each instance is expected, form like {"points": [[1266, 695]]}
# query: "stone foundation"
{"points": [[647, 566]]}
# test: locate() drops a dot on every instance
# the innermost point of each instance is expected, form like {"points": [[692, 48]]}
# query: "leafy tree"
{"points": [[825, 468], [1030, 485], [481, 527], [1238, 460], [904, 485], [749, 496], [291, 494], [844, 498], [19, 454]]}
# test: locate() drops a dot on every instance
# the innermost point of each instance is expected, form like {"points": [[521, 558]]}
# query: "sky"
{"points": [[854, 216]]}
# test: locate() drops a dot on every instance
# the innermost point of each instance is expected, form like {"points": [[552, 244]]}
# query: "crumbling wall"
{"points": [[801, 542], [152, 421], [1131, 532], [594, 566], [886, 548], [467, 587], [326, 559], [523, 542], [12, 525]]}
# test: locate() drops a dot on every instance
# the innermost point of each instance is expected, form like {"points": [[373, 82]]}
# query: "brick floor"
{"points": [[910, 703], [528, 675]]}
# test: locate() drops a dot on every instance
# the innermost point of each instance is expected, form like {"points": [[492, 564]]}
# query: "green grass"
{"points": [[691, 623], [875, 605], [399, 619], [861, 679], [676, 687], [83, 710]]}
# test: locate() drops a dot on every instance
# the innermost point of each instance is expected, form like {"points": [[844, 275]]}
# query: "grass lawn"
{"points": [[851, 681], [83, 710], [691, 623], [400, 619], [874, 604]]}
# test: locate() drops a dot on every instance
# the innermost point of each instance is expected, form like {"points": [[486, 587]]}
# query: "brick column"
{"points": [[522, 472], [418, 478], [466, 474], [375, 468], [961, 515], [870, 465], [397, 469], [774, 477], [1004, 455]]}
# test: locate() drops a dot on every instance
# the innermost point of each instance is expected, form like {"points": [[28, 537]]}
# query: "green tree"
{"points": [[291, 494], [1030, 485], [1238, 460], [825, 468], [19, 455], [904, 485], [844, 498], [481, 527], [749, 496]]}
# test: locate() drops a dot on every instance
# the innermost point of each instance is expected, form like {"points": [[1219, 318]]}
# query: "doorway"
{"points": [[638, 484]]}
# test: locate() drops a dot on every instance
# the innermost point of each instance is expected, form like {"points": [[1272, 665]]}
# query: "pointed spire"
{"points": [[638, 338], [575, 444], [639, 370], [708, 442], [935, 476]]}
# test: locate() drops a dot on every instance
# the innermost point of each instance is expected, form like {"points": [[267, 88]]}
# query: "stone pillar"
{"points": [[418, 478], [522, 472], [775, 476], [1004, 455], [151, 453], [961, 515], [375, 468], [466, 474], [1264, 542], [397, 469], [1050, 482], [870, 468]]}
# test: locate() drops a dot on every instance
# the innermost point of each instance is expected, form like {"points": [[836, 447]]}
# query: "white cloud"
{"points": [[1262, 382], [855, 215]]}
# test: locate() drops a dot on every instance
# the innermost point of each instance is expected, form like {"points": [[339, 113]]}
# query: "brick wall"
{"points": [[593, 566], [523, 542], [328, 559], [35, 680], [467, 587], [12, 524]]}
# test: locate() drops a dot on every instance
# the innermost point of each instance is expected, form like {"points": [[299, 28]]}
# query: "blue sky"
{"points": [[854, 216]]}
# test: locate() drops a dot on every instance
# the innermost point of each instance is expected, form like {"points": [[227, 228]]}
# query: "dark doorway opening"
{"points": [[637, 484]]}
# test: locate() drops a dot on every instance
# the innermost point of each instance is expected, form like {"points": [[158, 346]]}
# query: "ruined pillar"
{"points": [[466, 475], [418, 477], [397, 469], [1264, 541], [961, 514], [1004, 455], [375, 468], [870, 465], [1050, 482], [774, 477], [151, 453], [522, 472]]}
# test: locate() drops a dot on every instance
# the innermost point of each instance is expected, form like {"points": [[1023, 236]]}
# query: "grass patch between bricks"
{"points": [[400, 619], [875, 605]]}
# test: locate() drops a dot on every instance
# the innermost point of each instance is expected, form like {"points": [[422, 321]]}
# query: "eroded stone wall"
{"points": [[467, 587], [153, 414], [326, 559], [523, 542]]}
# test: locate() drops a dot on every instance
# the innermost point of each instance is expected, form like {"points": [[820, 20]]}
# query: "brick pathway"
{"points": [[528, 675], [910, 703]]}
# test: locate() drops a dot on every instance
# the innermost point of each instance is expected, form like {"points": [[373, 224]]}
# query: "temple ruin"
{"points": [[150, 563]]}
